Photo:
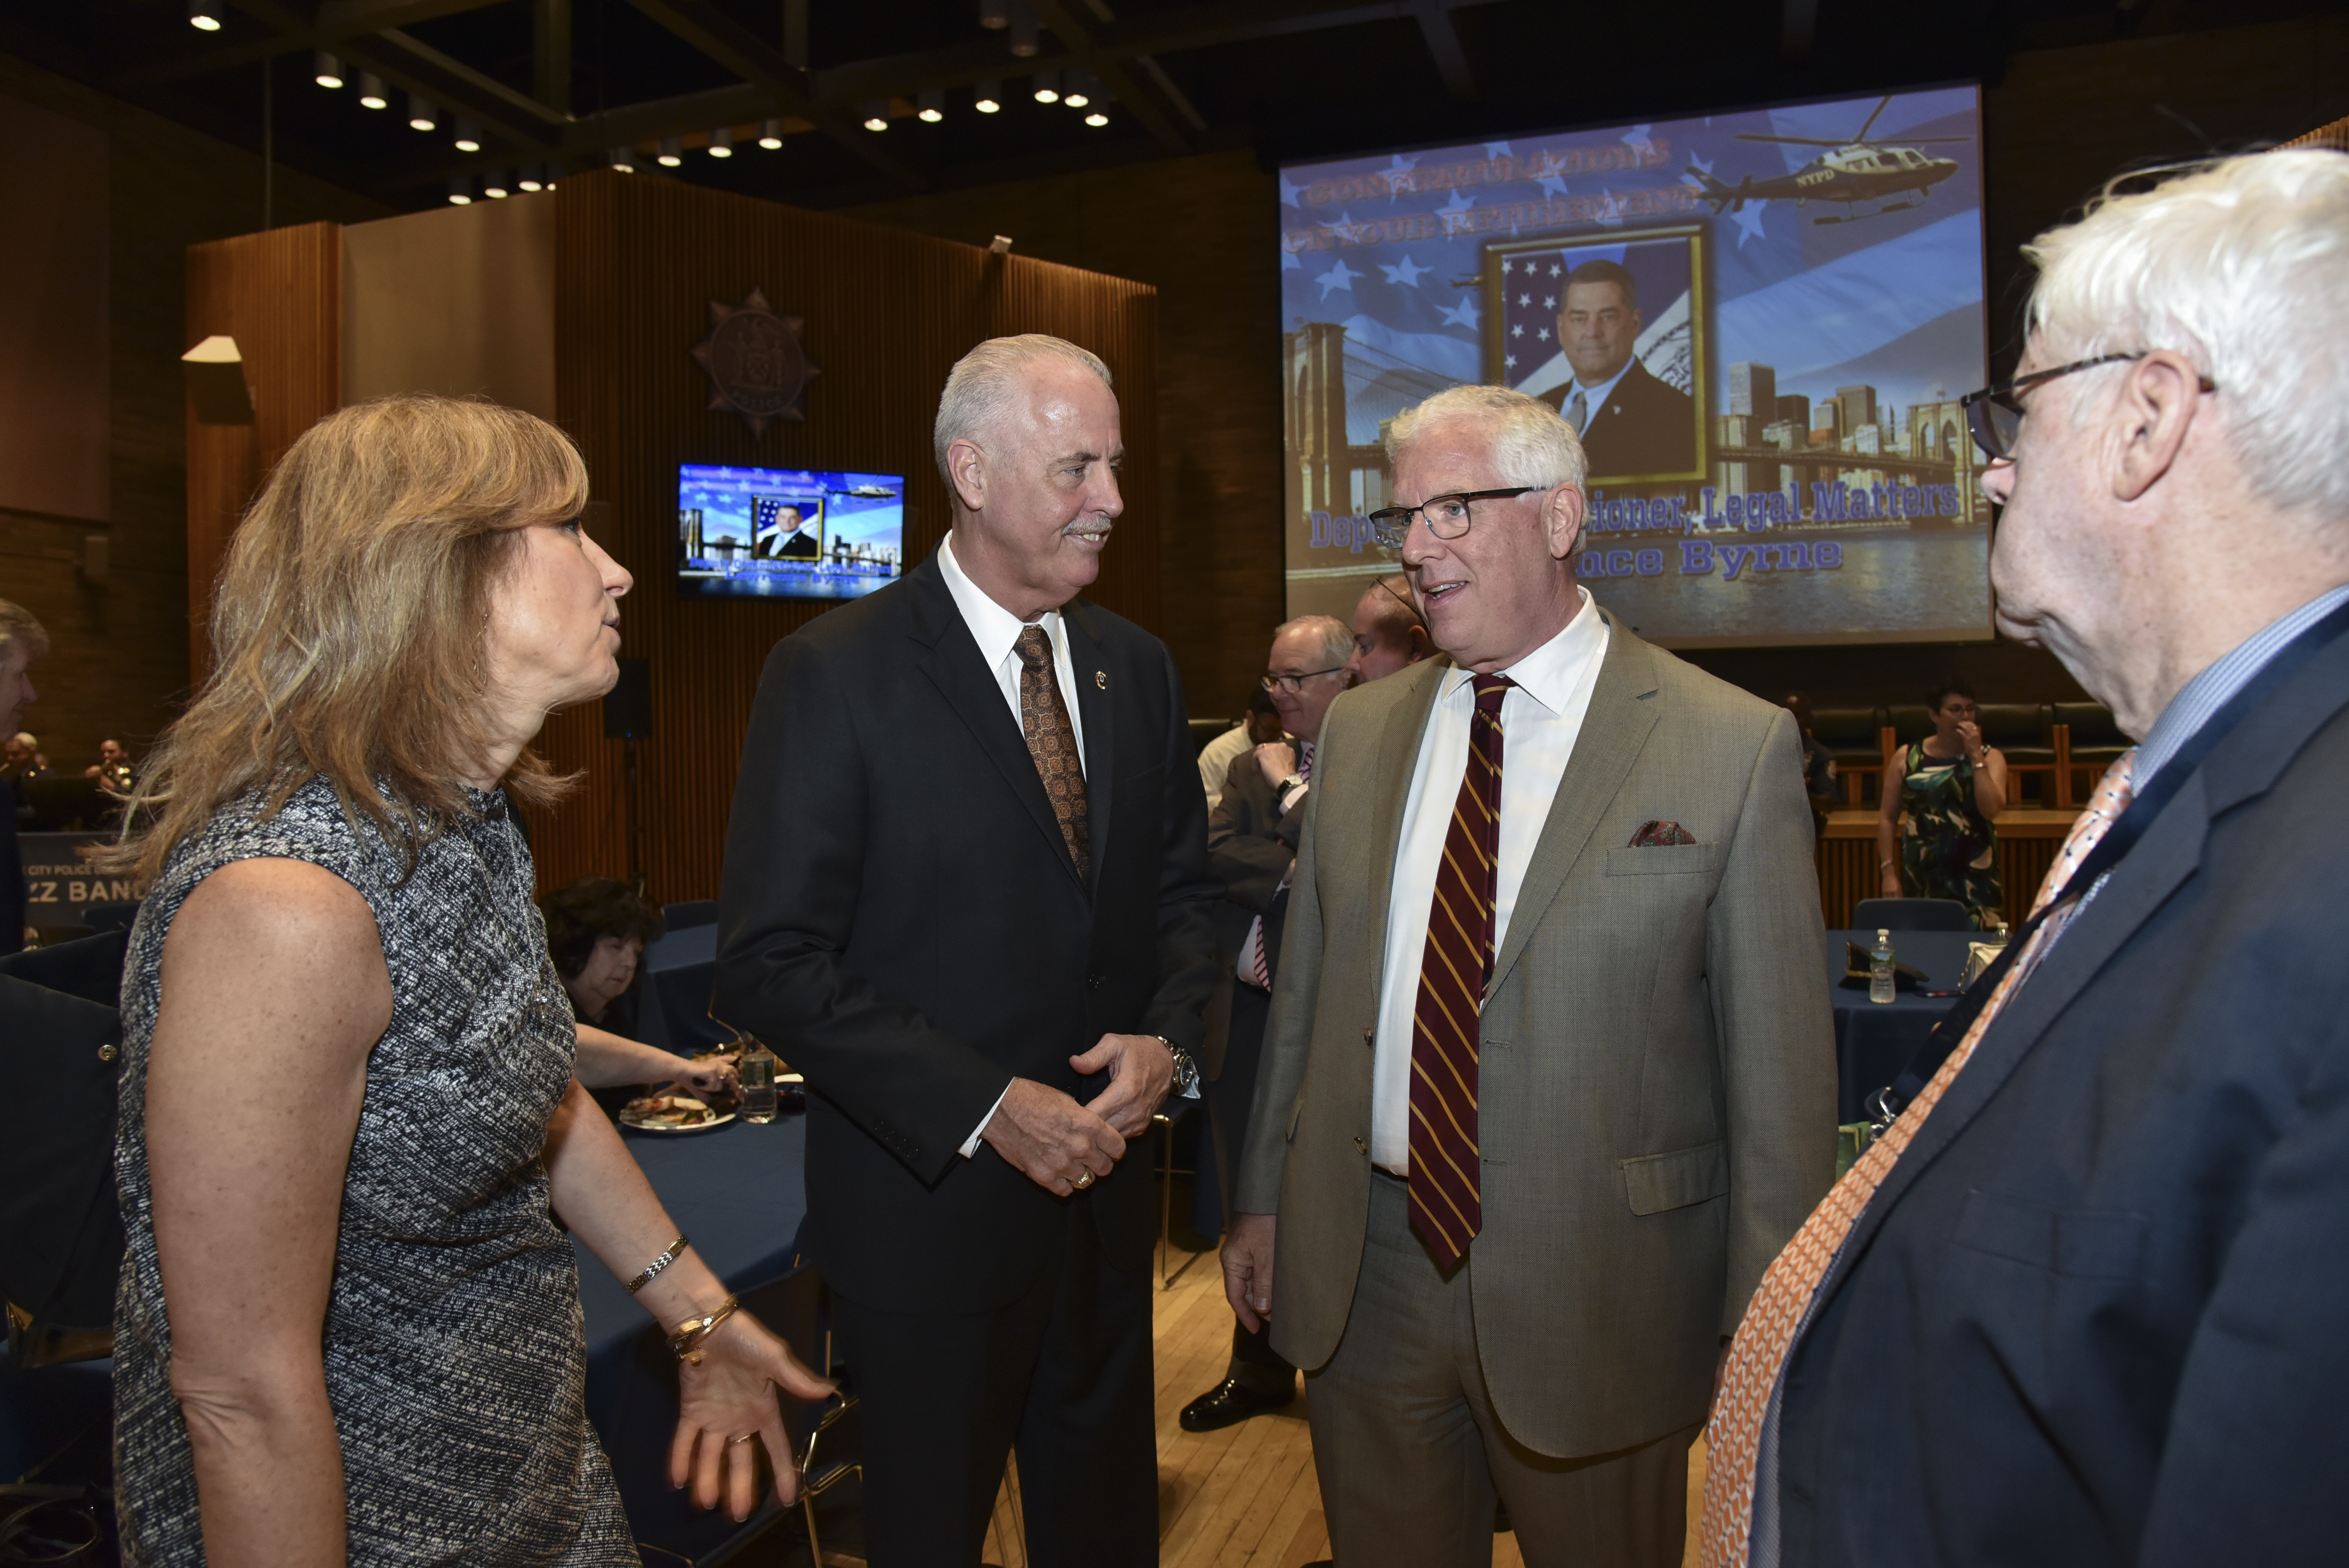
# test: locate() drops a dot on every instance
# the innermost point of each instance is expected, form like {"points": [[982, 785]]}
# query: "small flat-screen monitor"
{"points": [[787, 533]]}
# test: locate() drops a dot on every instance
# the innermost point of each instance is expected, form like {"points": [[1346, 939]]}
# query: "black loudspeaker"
{"points": [[628, 706]]}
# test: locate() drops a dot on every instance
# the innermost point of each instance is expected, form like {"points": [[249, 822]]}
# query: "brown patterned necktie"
{"points": [[1448, 1205], [1052, 742], [1774, 1319]]}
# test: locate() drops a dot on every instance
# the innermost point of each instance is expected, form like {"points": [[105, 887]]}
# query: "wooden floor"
{"points": [[1244, 1497]]}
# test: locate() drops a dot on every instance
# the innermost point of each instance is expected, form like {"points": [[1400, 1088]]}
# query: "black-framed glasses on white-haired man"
{"points": [[1446, 516], [1994, 414]]}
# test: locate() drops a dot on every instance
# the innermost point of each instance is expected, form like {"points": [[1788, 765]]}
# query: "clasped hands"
{"points": [[1060, 1144]]}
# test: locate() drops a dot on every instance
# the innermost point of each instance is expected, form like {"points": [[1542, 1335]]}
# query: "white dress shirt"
{"points": [[996, 630], [1541, 717]]}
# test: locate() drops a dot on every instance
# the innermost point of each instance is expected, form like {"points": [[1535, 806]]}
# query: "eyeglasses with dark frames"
{"points": [[1994, 414], [1446, 515], [1292, 685]]}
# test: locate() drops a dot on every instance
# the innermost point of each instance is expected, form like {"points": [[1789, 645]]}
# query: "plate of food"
{"points": [[672, 1113]]}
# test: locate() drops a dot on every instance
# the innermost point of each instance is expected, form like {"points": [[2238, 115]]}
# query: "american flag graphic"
{"points": [[1531, 282]]}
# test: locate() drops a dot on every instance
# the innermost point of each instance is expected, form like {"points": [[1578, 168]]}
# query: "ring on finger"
{"points": [[1084, 1181], [743, 1439]]}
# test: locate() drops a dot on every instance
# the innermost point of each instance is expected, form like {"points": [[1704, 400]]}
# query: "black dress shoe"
{"points": [[1230, 1402]]}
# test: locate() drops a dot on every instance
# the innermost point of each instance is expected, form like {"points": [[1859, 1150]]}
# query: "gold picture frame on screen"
{"points": [[1651, 427]]}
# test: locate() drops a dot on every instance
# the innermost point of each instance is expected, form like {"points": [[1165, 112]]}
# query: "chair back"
{"points": [[2018, 727], [1845, 729], [2091, 723], [1909, 720], [1911, 915], [1204, 730], [685, 917]]}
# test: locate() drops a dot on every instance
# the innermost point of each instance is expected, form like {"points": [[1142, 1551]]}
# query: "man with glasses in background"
{"points": [[1252, 849], [1550, 1073], [2083, 1302]]}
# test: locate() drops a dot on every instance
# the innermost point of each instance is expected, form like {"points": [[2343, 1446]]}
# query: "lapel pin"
{"points": [[1101, 680]]}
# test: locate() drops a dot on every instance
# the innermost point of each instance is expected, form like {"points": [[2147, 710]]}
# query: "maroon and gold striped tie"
{"points": [[1447, 1208]]}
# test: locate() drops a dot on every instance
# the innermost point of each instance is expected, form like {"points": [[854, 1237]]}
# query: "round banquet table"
{"points": [[1874, 1040]]}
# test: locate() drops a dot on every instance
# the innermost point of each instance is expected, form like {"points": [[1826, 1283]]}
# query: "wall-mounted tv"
{"points": [[787, 533], [1760, 322]]}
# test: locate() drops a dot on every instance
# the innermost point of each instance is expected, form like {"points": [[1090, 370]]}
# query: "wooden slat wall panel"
{"points": [[1848, 871], [280, 294], [888, 313]]}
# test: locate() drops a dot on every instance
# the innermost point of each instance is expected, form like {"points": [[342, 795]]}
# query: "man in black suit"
{"points": [[1632, 423], [965, 892], [2083, 1303], [1252, 837]]}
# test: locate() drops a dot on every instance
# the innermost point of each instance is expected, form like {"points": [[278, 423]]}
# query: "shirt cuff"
{"points": [[1288, 801], [970, 1145]]}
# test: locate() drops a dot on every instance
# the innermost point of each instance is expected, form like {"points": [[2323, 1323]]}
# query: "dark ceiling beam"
{"points": [[722, 39], [416, 67], [334, 23], [550, 54], [1443, 47], [1137, 94]]}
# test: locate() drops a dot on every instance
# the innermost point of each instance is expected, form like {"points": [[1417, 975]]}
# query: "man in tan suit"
{"points": [[1548, 1078]]}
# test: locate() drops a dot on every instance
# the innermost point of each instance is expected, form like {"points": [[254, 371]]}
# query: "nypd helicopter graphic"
{"points": [[1849, 173]]}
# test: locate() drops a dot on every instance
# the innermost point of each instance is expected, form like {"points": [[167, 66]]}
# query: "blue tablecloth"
{"points": [[739, 1193], [676, 975], [1874, 1040]]}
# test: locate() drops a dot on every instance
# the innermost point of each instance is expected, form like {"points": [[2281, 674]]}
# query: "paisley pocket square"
{"points": [[1652, 835]]}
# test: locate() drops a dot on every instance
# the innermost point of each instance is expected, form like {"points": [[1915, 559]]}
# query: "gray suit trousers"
{"points": [[1410, 1455]]}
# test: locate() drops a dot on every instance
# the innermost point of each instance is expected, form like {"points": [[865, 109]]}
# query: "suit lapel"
{"points": [[1096, 709], [1615, 727], [956, 667], [1397, 759]]}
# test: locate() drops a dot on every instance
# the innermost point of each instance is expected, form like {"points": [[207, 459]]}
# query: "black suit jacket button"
{"points": [[1361, 1147], [1370, 1038], [1093, 982]]}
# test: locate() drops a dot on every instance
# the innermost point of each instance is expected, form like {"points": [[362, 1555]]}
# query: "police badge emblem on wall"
{"points": [[758, 364]]}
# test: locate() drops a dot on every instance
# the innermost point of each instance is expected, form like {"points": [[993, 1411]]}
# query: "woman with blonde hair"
{"points": [[348, 1326]]}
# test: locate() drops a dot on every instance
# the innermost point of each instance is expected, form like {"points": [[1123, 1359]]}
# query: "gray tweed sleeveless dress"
{"points": [[453, 1344]]}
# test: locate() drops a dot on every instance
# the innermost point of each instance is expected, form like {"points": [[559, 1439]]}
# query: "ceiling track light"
{"points": [[468, 137], [669, 156], [994, 14], [530, 178], [1097, 119], [326, 70], [1079, 88], [371, 93], [990, 97], [1024, 44], [623, 158], [204, 15], [421, 115], [461, 191], [933, 105], [876, 114], [1047, 87], [493, 185], [770, 135], [721, 143]]}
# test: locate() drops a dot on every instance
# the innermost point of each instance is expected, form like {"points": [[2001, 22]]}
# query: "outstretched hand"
{"points": [[1058, 1142], [730, 1395]]}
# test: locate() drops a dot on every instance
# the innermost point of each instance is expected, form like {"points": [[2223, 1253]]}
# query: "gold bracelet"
{"points": [[686, 1342], [676, 1250]]}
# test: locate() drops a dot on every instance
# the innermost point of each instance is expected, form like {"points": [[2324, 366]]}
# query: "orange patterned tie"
{"points": [[1052, 742], [1447, 1207], [1783, 1301]]}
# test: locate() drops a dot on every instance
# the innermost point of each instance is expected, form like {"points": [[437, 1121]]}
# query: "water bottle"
{"points": [[756, 1067], [1879, 973]]}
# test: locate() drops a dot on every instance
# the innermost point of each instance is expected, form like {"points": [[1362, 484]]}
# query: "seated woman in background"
{"points": [[1951, 787], [348, 1327], [596, 930]]}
